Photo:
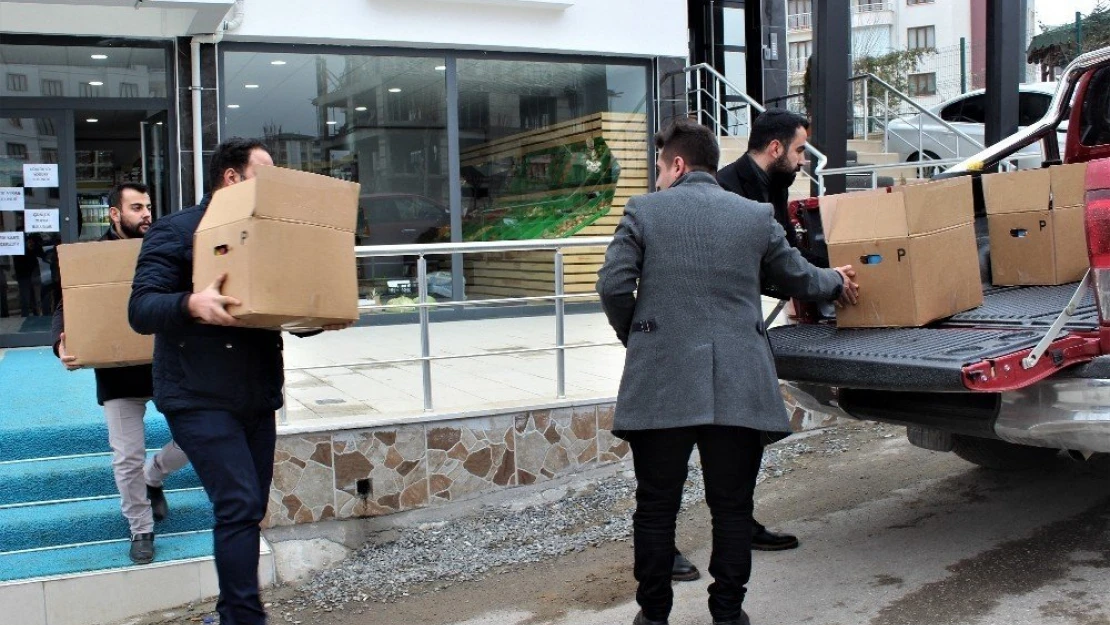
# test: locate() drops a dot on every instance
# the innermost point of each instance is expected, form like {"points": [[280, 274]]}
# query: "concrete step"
{"points": [[865, 145], [877, 158], [51, 479], [58, 523], [183, 573]]}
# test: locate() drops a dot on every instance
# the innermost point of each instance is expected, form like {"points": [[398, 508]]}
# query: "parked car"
{"points": [[964, 384], [966, 112], [398, 219]]}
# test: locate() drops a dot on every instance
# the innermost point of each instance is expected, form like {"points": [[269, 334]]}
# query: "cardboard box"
{"points": [[1035, 220], [96, 286], [913, 249], [286, 241]]}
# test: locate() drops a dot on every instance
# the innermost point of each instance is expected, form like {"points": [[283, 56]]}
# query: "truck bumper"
{"points": [[1065, 413]]}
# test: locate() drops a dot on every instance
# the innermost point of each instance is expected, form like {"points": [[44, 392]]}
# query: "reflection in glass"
{"points": [[82, 71], [549, 150], [380, 121], [28, 263]]}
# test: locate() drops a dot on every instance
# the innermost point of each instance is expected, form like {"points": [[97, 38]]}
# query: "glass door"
{"points": [[36, 207], [154, 133]]}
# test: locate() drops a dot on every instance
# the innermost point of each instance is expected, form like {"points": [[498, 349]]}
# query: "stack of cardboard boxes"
{"points": [[284, 238], [1035, 219], [913, 249]]}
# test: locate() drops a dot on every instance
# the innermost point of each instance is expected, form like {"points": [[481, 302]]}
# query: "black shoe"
{"points": [[158, 504], [643, 620], [763, 540], [683, 570], [740, 620], [142, 548]]}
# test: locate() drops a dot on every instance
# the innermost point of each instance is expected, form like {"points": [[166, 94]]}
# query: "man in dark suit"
{"points": [[681, 289], [217, 383]]}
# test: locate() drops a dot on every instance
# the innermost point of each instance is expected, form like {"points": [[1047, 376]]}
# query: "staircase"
{"points": [[63, 540]]}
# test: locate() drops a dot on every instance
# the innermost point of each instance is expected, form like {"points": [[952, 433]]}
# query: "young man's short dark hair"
{"points": [[115, 196], [696, 144], [234, 153], [772, 125]]}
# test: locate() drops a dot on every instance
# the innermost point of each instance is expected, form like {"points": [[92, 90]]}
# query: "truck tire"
{"points": [[1000, 455]]}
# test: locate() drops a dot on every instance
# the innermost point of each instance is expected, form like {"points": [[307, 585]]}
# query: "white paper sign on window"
{"points": [[41, 220], [11, 244], [45, 175], [11, 198]]}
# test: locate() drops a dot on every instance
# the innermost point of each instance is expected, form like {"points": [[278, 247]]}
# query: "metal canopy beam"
{"points": [[1005, 66], [831, 71]]}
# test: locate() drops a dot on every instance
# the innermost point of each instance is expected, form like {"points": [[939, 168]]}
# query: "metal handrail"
{"points": [[924, 111], [820, 158], [424, 305], [1041, 129]]}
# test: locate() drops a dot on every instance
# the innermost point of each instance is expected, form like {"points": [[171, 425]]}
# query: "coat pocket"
{"points": [[216, 368]]}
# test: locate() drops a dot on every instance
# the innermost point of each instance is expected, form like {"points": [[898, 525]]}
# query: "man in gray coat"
{"points": [[681, 288]]}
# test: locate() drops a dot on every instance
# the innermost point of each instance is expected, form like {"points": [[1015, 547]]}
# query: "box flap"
{"points": [[864, 216], [1069, 185], [1016, 191], [289, 195], [934, 206], [98, 262]]}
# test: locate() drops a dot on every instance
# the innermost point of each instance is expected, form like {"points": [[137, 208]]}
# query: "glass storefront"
{"points": [[76, 119], [543, 146]]}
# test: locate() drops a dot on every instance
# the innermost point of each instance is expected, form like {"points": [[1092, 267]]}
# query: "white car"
{"points": [[920, 137]]}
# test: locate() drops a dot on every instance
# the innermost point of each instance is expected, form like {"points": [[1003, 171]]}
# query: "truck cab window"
{"points": [[1095, 123]]}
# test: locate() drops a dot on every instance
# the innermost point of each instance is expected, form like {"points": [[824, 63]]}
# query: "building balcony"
{"points": [[864, 13]]}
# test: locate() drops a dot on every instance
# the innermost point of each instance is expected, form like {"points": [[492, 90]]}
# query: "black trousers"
{"points": [[730, 458], [233, 454]]}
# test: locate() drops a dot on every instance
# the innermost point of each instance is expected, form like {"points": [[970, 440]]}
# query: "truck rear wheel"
{"points": [[1000, 455]]}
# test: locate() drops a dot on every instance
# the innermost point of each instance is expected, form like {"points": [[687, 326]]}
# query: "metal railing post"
{"points": [[886, 120], [283, 415], [425, 339], [697, 85], [560, 330], [866, 112]]}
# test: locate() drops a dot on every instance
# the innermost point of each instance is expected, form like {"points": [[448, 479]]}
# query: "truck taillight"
{"points": [[1098, 233]]}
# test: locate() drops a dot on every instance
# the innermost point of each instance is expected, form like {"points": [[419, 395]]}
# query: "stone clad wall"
{"points": [[409, 466], [403, 467]]}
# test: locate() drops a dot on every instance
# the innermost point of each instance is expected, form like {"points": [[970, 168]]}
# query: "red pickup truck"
{"points": [[1013, 382]]}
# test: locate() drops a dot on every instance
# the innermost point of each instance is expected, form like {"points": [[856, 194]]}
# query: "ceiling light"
{"points": [[360, 108], [92, 120], [251, 86], [100, 57], [157, 123], [277, 62], [441, 68], [96, 83], [232, 106], [395, 90], [332, 123]]}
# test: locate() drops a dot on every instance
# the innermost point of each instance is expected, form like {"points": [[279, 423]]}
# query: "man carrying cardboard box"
{"points": [[217, 382], [124, 392]]}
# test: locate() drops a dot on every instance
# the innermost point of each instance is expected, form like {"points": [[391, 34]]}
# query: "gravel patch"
{"points": [[434, 555]]}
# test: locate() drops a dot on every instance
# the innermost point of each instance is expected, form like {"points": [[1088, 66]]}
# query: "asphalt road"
{"points": [[891, 535]]}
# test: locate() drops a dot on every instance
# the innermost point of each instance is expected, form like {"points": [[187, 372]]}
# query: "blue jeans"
{"points": [[730, 458], [233, 454]]}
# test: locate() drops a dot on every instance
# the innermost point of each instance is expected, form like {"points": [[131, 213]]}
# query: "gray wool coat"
{"points": [[681, 288]]}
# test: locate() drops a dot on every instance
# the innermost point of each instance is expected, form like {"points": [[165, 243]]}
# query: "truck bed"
{"points": [[931, 359]]}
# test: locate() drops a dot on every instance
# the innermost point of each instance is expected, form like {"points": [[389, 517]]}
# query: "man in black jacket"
{"points": [[124, 392], [217, 383], [776, 153]]}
